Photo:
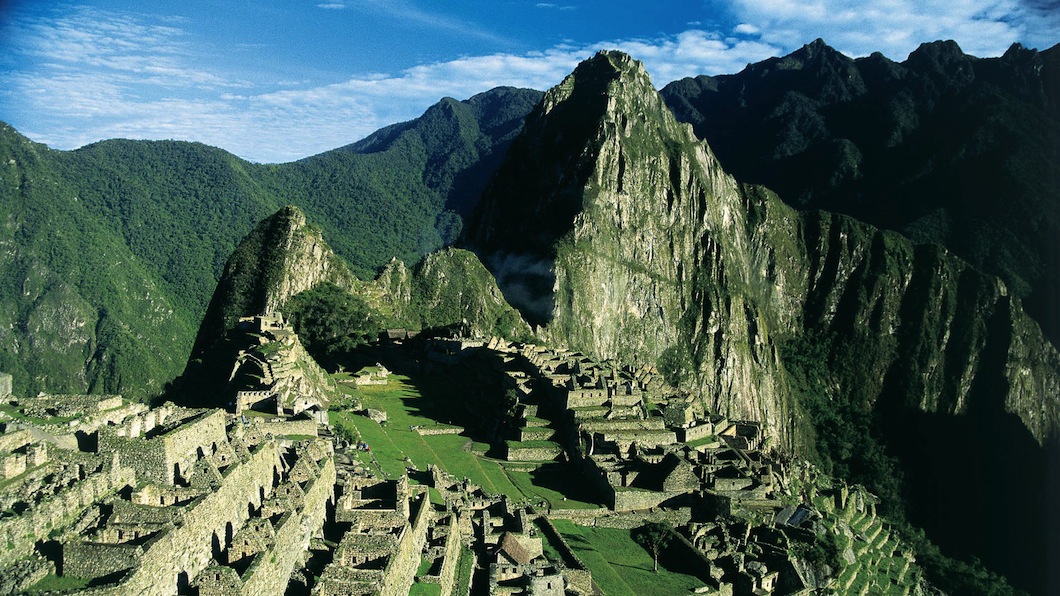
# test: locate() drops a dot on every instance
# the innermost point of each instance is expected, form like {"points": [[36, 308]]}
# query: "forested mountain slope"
{"points": [[944, 147], [124, 241]]}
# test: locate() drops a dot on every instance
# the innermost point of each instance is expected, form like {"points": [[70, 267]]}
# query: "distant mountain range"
{"points": [[945, 148]]}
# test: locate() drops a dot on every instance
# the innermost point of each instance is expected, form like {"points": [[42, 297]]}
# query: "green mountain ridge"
{"points": [[618, 233], [162, 218], [285, 262]]}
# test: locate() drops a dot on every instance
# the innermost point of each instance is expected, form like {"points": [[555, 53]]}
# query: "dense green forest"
{"points": [[117, 247]]}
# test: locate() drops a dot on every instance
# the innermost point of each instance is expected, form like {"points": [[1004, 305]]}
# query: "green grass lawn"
{"points": [[464, 568], [425, 589], [393, 442], [52, 583], [619, 565]]}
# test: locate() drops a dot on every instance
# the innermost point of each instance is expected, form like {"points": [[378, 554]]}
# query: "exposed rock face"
{"points": [[281, 257], [643, 249], [450, 287], [652, 253], [644, 236], [932, 334]]}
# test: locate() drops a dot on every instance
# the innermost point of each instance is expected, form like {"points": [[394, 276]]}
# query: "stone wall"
{"points": [[246, 400], [698, 432], [5, 385], [293, 533], [12, 440], [633, 499], [439, 430], [24, 574], [157, 457], [183, 443], [447, 575], [91, 560], [293, 427], [675, 517], [582, 398], [187, 549], [643, 438], [401, 570], [654, 423], [515, 452], [118, 415], [19, 534], [147, 457], [579, 578]]}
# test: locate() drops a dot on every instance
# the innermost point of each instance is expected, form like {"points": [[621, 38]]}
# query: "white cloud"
{"points": [[332, 6], [107, 75], [745, 29], [894, 27], [118, 43], [403, 10], [100, 75]]}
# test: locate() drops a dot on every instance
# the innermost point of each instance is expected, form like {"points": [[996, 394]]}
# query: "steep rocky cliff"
{"points": [[944, 147], [449, 287], [616, 231], [281, 257], [649, 251]]}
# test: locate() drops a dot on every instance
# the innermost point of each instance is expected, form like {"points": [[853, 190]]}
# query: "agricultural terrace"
{"points": [[408, 410]]}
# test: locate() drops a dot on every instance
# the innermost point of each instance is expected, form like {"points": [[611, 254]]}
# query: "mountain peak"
{"points": [[613, 62], [282, 256], [290, 216], [597, 77]]}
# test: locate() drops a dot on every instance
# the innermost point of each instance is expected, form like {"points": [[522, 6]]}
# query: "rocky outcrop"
{"points": [[281, 257], [450, 287], [285, 256], [641, 248], [944, 147], [641, 242]]}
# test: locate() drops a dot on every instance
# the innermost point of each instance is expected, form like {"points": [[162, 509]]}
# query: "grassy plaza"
{"points": [[397, 443]]}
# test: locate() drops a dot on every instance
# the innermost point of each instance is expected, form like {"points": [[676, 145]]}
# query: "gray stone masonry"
{"points": [[186, 549], [268, 575]]}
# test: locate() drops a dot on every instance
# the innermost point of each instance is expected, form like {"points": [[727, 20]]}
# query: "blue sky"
{"points": [[278, 80]]}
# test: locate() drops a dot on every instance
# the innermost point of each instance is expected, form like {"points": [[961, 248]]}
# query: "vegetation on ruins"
{"points": [[846, 444], [332, 321], [621, 566]]}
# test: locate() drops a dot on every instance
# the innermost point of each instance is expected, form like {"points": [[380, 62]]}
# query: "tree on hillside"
{"points": [[654, 536], [331, 321]]}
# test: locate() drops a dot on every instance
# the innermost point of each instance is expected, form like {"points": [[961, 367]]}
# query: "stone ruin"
{"points": [[275, 372], [175, 500]]}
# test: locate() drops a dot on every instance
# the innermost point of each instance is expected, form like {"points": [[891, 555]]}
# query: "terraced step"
{"points": [[888, 547], [881, 539], [847, 576]]}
